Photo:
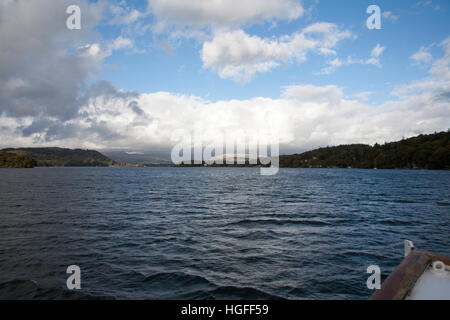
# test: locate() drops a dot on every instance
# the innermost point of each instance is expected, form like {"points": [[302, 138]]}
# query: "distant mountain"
{"points": [[58, 157], [136, 158], [421, 152]]}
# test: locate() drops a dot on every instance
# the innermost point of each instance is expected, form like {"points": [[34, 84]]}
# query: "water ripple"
{"points": [[213, 233]]}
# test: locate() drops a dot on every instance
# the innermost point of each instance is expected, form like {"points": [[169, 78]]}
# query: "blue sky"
{"points": [[137, 72], [415, 24]]}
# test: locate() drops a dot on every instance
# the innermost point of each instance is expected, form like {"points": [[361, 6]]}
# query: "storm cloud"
{"points": [[43, 65]]}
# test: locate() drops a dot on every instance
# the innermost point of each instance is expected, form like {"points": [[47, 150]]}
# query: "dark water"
{"points": [[215, 233]]}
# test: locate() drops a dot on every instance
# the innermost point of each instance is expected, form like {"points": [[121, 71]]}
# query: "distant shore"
{"points": [[423, 152]]}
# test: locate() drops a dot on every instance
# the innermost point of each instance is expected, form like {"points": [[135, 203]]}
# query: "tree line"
{"points": [[422, 152]]}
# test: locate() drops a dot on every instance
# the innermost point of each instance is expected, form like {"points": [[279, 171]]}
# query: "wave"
{"points": [[390, 222], [254, 222], [170, 286], [178, 278], [30, 290], [186, 286]]}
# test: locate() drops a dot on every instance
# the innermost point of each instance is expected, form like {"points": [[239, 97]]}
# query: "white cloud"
{"points": [[237, 55], [422, 56], [200, 13], [438, 81], [124, 15], [336, 63], [441, 67], [122, 43], [390, 16], [375, 56], [309, 93], [333, 65], [364, 96], [428, 3], [377, 51], [305, 117]]}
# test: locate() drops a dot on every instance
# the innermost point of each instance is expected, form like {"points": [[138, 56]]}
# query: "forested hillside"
{"points": [[58, 157], [421, 152], [11, 160]]}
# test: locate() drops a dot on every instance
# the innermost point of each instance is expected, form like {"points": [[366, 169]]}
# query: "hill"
{"points": [[421, 152], [12, 160], [139, 159], [58, 157]]}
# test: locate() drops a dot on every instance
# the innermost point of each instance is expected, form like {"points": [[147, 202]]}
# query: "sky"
{"points": [[139, 71]]}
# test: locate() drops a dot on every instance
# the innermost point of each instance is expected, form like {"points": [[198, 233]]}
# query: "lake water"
{"points": [[215, 233]]}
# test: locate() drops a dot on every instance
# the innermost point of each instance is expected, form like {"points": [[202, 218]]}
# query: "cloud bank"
{"points": [[238, 56], [305, 116], [199, 13]]}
